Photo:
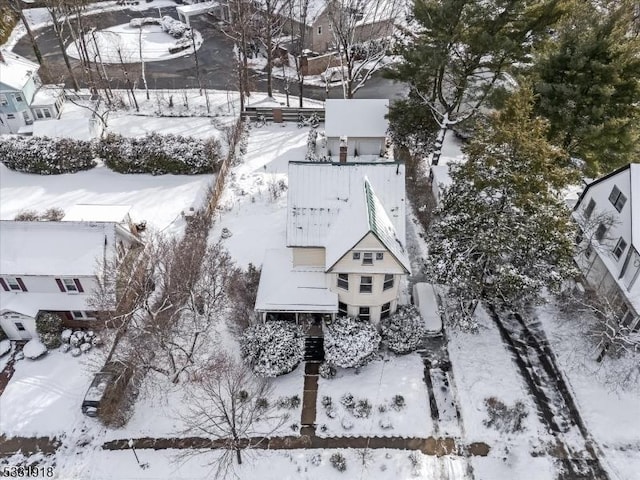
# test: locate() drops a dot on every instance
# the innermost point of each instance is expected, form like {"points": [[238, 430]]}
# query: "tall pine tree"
{"points": [[460, 52], [587, 81], [503, 233]]}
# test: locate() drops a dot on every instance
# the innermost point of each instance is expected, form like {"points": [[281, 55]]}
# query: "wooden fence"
{"points": [[282, 114]]}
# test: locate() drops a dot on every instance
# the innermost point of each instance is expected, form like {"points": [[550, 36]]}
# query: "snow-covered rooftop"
{"points": [[285, 288], [318, 192], [47, 95], [356, 118], [364, 213], [97, 213], [15, 70], [314, 9], [53, 248], [32, 303], [196, 8]]}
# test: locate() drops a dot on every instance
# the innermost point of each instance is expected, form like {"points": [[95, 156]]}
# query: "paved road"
{"points": [[215, 58]]}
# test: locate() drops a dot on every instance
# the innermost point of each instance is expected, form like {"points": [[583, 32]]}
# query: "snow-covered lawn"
{"points": [[378, 383], [610, 409], [483, 368], [129, 44], [44, 396], [161, 405], [255, 219], [135, 126], [381, 464], [157, 199]]}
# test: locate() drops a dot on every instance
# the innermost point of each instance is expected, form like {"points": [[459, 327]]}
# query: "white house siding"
{"points": [[8, 322], [632, 271], [363, 145], [308, 256]]}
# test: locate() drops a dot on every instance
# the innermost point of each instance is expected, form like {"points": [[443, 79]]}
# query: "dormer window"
{"points": [[617, 198]]}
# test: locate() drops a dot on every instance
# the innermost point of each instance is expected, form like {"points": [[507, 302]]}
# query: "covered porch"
{"points": [[297, 294]]}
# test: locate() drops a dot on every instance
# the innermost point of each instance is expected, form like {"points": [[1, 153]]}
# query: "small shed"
{"points": [[361, 122]]}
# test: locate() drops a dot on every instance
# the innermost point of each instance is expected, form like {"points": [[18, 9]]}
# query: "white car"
{"points": [[424, 298]]}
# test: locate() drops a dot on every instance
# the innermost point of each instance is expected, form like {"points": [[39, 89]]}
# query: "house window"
{"points": [[589, 209], [617, 199], [367, 258], [342, 309], [364, 313], [39, 114], [10, 116], [19, 97], [388, 282], [366, 284], [601, 230], [619, 248], [78, 315], [379, 255], [3, 100], [47, 112], [384, 311], [20, 326], [70, 285], [356, 255], [14, 284], [320, 30], [343, 281]]}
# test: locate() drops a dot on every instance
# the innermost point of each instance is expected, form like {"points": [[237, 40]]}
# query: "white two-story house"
{"points": [[346, 252], [609, 211], [53, 267]]}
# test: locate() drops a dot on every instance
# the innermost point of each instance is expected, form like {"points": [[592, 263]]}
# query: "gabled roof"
{"points": [[633, 170], [53, 248], [15, 70], [365, 214], [356, 118], [320, 192]]}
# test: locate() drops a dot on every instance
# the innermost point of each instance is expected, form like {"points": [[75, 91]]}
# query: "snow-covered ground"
{"points": [[381, 464], [126, 44], [256, 220], [157, 199], [609, 407], [378, 383], [483, 368], [44, 396]]}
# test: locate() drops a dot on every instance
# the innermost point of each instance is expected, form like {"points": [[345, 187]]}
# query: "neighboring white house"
{"points": [[52, 266], [346, 252], [359, 125], [610, 259]]}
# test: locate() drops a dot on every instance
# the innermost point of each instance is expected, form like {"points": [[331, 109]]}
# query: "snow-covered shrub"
{"points": [[338, 461], [327, 371], [350, 342], [288, 402], [53, 214], [173, 27], [316, 460], [85, 347], [65, 336], [96, 341], [27, 216], [272, 348], [348, 401], [49, 328], [160, 154], [326, 401], [34, 349], [311, 146], [403, 331], [262, 403], [139, 22], [362, 409], [385, 423], [65, 347], [75, 352], [46, 156], [398, 402], [505, 419], [346, 423]]}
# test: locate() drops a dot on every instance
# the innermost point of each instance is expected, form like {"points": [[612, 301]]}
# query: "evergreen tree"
{"points": [[587, 85], [462, 49], [503, 233]]}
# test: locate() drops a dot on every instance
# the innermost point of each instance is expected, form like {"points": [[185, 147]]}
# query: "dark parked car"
{"points": [[95, 393]]}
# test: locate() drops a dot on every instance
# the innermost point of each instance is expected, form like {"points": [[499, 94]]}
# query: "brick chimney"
{"points": [[343, 149]]}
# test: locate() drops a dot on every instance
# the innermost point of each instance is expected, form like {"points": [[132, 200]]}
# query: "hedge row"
{"points": [[46, 156], [154, 153]]}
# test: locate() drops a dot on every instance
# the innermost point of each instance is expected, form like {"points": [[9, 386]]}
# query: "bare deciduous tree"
{"points": [[228, 403]]}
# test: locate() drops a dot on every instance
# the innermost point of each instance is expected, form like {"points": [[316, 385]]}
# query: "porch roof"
{"points": [[286, 288], [30, 304]]}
